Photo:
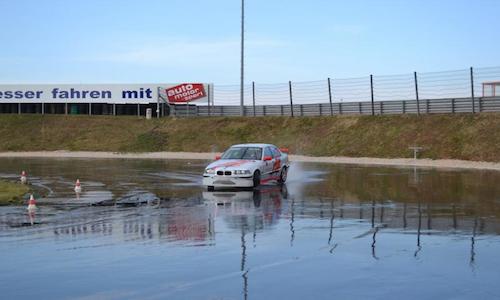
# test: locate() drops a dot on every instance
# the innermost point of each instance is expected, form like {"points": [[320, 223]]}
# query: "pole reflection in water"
{"points": [[454, 212], [419, 228], [332, 218], [292, 219], [243, 262], [472, 245], [374, 241], [330, 236], [405, 221]]}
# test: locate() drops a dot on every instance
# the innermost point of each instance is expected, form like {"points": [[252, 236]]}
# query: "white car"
{"points": [[247, 165]]}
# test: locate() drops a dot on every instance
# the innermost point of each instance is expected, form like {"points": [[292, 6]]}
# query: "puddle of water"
{"points": [[332, 231]]}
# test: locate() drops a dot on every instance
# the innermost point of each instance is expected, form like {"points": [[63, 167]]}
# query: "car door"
{"points": [[267, 165], [277, 160]]}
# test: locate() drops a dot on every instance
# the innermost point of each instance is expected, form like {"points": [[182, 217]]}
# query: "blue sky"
{"points": [[107, 41]]}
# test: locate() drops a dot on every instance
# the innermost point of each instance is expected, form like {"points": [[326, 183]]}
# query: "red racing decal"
{"points": [[277, 165]]}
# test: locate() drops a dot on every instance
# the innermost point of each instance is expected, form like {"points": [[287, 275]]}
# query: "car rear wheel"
{"points": [[256, 178], [283, 175]]}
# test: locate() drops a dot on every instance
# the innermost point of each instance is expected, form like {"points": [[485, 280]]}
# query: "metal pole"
{"points": [[114, 109], [19, 108], [330, 96], [208, 100], [242, 85], [253, 97], [291, 97], [416, 92], [138, 109], [90, 109], [472, 89], [371, 89], [158, 104]]}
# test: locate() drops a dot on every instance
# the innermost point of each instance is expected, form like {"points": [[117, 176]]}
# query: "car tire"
{"points": [[283, 175], [256, 178], [210, 188]]}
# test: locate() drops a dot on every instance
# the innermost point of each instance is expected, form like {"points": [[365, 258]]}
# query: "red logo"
{"points": [[185, 92]]}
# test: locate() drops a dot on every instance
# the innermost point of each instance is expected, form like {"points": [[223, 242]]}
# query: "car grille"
{"points": [[227, 173]]}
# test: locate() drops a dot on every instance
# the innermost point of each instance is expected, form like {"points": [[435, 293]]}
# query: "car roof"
{"points": [[252, 145]]}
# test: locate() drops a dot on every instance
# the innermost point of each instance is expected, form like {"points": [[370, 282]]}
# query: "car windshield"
{"points": [[254, 153]]}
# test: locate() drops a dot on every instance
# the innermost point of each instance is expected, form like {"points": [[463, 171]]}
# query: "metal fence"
{"points": [[459, 91]]}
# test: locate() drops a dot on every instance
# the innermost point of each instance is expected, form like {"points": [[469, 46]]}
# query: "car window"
{"points": [[233, 153], [243, 153], [253, 153], [276, 152], [268, 152]]}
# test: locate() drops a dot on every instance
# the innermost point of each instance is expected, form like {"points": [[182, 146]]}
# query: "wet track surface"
{"points": [[146, 229]]}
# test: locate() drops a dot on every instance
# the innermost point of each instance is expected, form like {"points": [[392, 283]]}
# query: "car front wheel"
{"points": [[256, 178]]}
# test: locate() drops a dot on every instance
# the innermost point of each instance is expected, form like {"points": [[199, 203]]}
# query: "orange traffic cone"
{"points": [[24, 177], [78, 187], [32, 203]]}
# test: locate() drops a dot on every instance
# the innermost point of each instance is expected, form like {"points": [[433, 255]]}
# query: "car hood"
{"points": [[233, 164]]}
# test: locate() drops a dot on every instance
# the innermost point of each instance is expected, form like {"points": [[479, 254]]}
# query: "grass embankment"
{"points": [[460, 136], [12, 193]]}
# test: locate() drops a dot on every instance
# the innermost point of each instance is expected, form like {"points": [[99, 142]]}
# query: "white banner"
{"points": [[85, 93]]}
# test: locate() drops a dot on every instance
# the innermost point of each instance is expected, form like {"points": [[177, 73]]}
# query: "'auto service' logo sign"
{"points": [[185, 92]]}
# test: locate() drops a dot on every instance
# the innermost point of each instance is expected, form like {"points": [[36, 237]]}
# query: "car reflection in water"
{"points": [[255, 209]]}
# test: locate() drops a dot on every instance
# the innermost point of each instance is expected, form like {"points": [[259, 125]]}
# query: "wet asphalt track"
{"points": [[146, 229]]}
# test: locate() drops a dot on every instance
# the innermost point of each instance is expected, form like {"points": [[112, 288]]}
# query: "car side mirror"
{"points": [[217, 157], [268, 158]]}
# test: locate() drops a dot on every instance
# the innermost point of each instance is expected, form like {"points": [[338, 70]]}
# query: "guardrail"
{"points": [[425, 106]]}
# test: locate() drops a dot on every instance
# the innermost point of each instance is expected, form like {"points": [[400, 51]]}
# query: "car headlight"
{"points": [[209, 171], [241, 172]]}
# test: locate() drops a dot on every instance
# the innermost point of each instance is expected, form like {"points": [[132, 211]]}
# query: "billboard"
{"points": [[186, 92], [100, 93]]}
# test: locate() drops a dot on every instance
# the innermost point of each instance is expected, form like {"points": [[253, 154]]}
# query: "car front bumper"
{"points": [[227, 181]]}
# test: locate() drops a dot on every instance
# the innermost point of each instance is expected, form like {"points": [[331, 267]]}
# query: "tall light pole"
{"points": [[242, 84]]}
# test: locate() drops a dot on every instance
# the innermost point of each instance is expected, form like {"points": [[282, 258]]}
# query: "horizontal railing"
{"points": [[425, 106]]}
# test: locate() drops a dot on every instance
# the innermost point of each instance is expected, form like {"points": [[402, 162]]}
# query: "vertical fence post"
{"points": [[253, 97], [472, 89], [330, 96], [158, 104], [114, 109], [19, 108], [371, 90], [291, 97], [416, 92], [208, 99], [90, 109], [138, 110]]}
